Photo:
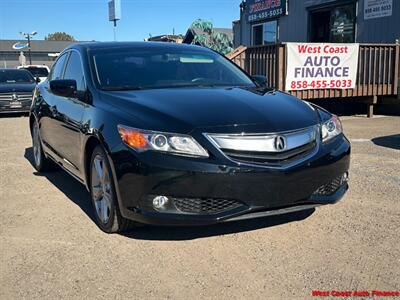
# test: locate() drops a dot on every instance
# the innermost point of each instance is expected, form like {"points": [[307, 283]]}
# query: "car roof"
{"points": [[112, 45], [32, 66]]}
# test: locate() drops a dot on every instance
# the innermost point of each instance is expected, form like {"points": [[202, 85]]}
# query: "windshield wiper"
{"points": [[122, 88]]}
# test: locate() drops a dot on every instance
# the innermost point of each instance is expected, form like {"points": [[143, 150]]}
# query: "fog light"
{"points": [[345, 177], [160, 202]]}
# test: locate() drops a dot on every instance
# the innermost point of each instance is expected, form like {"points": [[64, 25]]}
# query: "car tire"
{"points": [[40, 161], [103, 196]]}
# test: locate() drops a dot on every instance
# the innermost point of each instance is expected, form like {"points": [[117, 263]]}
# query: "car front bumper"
{"points": [[7, 108], [207, 191]]}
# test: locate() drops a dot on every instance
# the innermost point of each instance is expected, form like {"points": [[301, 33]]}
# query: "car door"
{"points": [[48, 104], [69, 113]]}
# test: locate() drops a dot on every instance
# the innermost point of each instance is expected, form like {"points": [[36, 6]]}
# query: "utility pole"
{"points": [[28, 37], [115, 30], [29, 49]]}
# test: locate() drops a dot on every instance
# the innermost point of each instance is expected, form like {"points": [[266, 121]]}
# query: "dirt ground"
{"points": [[51, 249]]}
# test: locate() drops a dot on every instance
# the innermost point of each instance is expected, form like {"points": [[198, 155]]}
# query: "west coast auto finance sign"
{"points": [[265, 9], [321, 66]]}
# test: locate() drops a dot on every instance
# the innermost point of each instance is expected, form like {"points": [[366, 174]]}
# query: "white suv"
{"points": [[38, 71]]}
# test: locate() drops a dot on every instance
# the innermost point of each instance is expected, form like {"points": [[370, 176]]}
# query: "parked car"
{"points": [[38, 71], [16, 90], [178, 135]]}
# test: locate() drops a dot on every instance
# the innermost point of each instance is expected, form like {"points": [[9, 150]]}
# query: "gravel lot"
{"points": [[51, 249]]}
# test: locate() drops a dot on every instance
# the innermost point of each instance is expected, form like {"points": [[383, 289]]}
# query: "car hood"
{"points": [[212, 109], [17, 87]]}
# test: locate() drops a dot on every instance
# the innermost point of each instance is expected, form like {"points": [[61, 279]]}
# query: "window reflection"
{"points": [[265, 33]]}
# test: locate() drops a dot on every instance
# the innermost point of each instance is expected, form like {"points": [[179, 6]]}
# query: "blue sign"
{"points": [[265, 9], [20, 45]]}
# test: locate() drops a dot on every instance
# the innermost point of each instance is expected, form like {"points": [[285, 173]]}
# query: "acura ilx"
{"points": [[173, 134]]}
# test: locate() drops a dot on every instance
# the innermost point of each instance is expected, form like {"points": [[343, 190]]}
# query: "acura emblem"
{"points": [[280, 143], [14, 97]]}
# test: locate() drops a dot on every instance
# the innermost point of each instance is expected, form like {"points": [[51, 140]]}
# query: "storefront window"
{"points": [[270, 32], [258, 34], [342, 24], [265, 33], [333, 24]]}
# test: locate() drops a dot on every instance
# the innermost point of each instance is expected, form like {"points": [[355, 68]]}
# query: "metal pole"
{"points": [[115, 30], [29, 48]]}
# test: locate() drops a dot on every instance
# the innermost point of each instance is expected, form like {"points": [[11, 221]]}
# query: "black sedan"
{"points": [[178, 135], [16, 90]]}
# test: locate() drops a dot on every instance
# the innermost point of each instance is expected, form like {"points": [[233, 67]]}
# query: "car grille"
{"points": [[331, 187], [271, 158], [261, 148], [21, 96], [205, 205]]}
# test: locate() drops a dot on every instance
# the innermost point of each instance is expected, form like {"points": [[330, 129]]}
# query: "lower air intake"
{"points": [[205, 205], [331, 187]]}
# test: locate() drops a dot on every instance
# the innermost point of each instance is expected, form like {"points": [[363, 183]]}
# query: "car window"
{"points": [[38, 71], [15, 76], [74, 71], [157, 68], [58, 68]]}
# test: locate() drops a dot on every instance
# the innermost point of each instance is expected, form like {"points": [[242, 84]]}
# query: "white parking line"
{"points": [[360, 140]]}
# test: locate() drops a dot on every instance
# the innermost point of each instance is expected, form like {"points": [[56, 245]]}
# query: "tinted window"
{"points": [[158, 67], [265, 33], [38, 71], [15, 76], [56, 72], [74, 71]]}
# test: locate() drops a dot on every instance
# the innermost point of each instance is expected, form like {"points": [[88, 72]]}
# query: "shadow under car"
{"points": [[78, 194]]}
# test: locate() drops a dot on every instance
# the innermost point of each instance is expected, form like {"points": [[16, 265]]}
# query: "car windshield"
{"points": [[38, 71], [15, 76], [149, 68]]}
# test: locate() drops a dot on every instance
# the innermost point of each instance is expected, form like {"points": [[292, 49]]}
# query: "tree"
{"points": [[217, 41], [59, 36]]}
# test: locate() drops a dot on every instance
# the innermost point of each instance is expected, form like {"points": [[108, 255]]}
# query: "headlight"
{"points": [[144, 140], [331, 128]]}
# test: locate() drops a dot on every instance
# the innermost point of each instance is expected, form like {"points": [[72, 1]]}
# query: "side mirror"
{"points": [[63, 88], [37, 80], [261, 80]]}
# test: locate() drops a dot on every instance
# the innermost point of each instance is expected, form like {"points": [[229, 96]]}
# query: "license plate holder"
{"points": [[15, 104]]}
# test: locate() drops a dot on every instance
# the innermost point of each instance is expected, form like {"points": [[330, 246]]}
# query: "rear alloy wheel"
{"points": [[104, 200], [40, 161]]}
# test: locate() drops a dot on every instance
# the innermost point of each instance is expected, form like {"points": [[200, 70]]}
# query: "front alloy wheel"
{"points": [[104, 200], [37, 147], [101, 189], [40, 161]]}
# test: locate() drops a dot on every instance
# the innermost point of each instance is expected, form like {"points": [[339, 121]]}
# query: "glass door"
{"points": [[333, 24]]}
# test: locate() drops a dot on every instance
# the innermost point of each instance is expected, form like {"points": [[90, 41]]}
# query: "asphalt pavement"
{"points": [[50, 248]]}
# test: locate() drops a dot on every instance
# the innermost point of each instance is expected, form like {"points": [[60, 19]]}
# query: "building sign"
{"points": [[321, 66], [377, 9], [19, 46], [265, 9], [114, 10]]}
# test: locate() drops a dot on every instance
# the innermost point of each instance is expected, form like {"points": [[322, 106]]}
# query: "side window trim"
{"points": [[55, 64], [68, 54], [81, 63]]}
